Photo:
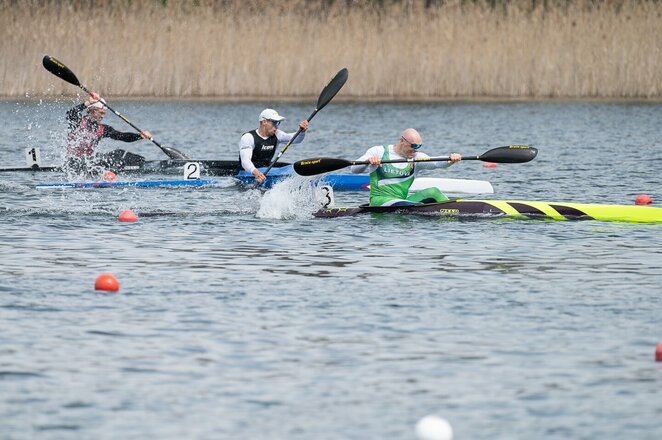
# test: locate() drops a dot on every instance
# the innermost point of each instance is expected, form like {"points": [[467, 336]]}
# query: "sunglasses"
{"points": [[275, 123], [414, 146]]}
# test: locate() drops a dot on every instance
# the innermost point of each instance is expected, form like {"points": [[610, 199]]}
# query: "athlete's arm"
{"points": [[377, 151], [428, 165], [284, 138], [246, 146], [110, 132]]}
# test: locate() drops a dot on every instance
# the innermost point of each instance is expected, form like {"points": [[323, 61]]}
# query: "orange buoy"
{"points": [[127, 216], [643, 199], [109, 175], [489, 165], [107, 282]]}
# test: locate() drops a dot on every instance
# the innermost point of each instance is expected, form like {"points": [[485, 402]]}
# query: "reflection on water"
{"points": [[241, 316]]}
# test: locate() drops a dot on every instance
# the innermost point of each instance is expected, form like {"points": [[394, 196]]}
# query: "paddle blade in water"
{"points": [[60, 70], [509, 154], [311, 167], [332, 88]]}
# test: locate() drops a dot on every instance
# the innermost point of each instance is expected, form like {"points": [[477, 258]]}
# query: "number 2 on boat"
{"points": [[191, 171]]}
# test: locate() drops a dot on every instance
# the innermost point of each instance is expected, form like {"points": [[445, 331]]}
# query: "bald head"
{"points": [[410, 143], [412, 136]]}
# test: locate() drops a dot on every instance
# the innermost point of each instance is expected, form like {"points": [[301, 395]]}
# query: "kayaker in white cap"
{"points": [[85, 132], [257, 147]]}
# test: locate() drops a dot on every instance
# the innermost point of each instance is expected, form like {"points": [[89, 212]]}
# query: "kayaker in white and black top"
{"points": [[257, 147]]}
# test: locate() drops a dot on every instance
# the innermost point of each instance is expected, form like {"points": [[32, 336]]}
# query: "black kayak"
{"points": [[120, 161]]}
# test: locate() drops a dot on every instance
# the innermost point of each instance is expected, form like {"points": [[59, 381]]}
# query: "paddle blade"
{"points": [[332, 88], [312, 167], [509, 154], [60, 70], [173, 153]]}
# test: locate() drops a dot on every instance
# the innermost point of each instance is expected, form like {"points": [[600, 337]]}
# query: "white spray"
{"points": [[296, 197]]}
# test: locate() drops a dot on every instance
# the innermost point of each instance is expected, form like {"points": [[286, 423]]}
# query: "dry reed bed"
{"points": [[251, 49]]}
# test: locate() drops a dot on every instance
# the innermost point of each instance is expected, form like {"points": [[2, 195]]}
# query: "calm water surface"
{"points": [[242, 317]]}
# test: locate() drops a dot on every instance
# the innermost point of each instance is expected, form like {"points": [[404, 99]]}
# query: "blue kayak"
{"points": [[138, 183], [347, 182]]}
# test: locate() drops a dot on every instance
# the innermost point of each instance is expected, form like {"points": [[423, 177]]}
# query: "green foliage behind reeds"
{"points": [[393, 49]]}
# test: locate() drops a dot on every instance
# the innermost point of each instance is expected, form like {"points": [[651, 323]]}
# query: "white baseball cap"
{"points": [[98, 104], [270, 114]]}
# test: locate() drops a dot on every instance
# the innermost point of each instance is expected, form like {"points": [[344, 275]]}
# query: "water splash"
{"points": [[295, 197]]}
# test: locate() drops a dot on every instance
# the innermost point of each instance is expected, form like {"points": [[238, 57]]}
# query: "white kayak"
{"points": [[453, 187]]}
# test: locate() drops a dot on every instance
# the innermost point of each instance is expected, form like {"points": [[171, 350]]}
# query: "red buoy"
{"points": [[127, 216], [643, 199], [107, 282], [489, 165], [658, 353]]}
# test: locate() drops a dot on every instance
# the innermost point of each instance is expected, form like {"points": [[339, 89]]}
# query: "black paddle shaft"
{"points": [[327, 94], [508, 154], [63, 72]]}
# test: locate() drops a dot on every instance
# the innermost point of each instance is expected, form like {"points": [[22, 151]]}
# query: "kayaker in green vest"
{"points": [[390, 182]]}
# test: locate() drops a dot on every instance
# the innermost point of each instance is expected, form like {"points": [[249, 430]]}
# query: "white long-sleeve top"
{"points": [[379, 152], [247, 143]]}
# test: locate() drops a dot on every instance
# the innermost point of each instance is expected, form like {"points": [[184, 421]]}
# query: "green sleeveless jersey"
{"points": [[389, 182]]}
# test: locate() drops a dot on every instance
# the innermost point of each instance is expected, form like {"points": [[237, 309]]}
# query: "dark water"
{"points": [[241, 317]]}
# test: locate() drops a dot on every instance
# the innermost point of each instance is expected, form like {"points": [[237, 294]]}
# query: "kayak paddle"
{"points": [[331, 89], [508, 154], [63, 72]]}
